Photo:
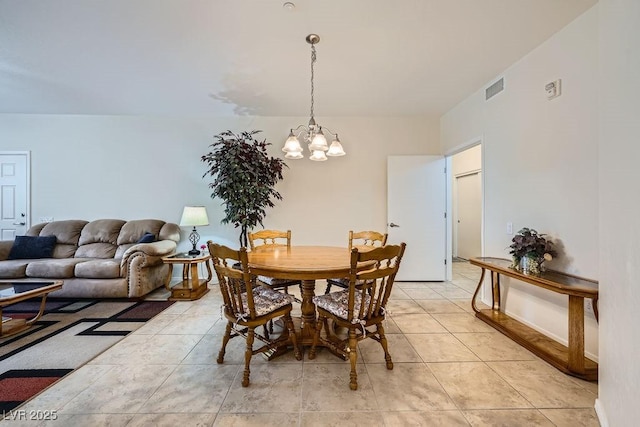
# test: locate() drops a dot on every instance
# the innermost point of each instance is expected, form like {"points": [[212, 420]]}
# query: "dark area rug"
{"points": [[68, 335]]}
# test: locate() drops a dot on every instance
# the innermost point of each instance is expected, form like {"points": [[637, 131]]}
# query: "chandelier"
{"points": [[313, 134]]}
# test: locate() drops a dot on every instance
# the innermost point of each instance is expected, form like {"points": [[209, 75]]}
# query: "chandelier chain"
{"points": [[313, 61]]}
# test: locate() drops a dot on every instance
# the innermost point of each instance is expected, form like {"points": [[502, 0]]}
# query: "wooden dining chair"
{"points": [[360, 306], [247, 308], [273, 238], [363, 240]]}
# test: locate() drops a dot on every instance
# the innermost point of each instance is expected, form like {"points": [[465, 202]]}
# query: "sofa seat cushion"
{"points": [[98, 269], [55, 268], [14, 269]]}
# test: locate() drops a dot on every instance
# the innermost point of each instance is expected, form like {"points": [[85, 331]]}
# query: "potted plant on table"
{"points": [[244, 178], [529, 250]]}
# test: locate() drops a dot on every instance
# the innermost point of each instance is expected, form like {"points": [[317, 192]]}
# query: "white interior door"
{"points": [[14, 194], [468, 219], [416, 206]]}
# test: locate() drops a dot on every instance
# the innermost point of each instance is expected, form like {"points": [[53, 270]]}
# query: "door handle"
{"points": [[393, 225], [19, 223]]}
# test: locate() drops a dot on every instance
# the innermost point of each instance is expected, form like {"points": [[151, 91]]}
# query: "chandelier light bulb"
{"points": [[336, 150], [319, 142], [318, 156], [294, 155], [292, 144]]}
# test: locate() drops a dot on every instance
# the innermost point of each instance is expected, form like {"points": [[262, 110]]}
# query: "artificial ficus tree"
{"points": [[244, 178]]}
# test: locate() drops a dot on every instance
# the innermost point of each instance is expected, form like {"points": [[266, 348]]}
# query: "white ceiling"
{"points": [[249, 57]]}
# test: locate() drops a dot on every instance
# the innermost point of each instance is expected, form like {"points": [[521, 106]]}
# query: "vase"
{"points": [[529, 265]]}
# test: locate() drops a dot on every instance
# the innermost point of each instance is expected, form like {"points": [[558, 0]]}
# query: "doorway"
{"points": [[14, 194], [466, 202]]}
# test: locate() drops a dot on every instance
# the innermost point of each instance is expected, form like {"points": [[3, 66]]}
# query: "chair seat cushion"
{"points": [[337, 303], [265, 301], [276, 282], [344, 282]]}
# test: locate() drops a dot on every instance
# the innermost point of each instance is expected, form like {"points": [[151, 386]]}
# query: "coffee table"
{"points": [[13, 292]]}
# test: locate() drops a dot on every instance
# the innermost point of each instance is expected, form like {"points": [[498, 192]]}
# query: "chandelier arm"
{"points": [[326, 130], [303, 131]]}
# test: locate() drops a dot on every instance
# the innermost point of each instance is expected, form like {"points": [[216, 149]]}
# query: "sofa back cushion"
{"points": [[99, 239], [133, 230], [67, 236]]}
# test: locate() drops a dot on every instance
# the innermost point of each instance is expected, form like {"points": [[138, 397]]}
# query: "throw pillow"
{"points": [[32, 247], [147, 238]]}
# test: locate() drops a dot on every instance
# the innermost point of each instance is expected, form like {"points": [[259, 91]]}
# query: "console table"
{"points": [[569, 359]]}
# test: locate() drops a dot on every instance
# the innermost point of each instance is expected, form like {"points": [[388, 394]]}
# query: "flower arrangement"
{"points": [[531, 246]]}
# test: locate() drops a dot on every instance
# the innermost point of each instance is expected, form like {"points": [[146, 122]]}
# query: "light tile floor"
{"points": [[450, 369]]}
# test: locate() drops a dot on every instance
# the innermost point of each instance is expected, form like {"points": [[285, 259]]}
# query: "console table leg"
{"points": [[495, 287], [576, 334], [475, 294]]}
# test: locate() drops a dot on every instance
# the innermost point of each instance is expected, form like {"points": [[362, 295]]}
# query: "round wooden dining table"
{"points": [[305, 263]]}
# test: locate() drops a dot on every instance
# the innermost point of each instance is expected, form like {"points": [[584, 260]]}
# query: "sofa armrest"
{"points": [[5, 248], [155, 250]]}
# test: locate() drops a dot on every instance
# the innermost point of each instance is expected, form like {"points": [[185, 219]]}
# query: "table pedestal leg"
{"points": [[307, 324], [308, 308]]}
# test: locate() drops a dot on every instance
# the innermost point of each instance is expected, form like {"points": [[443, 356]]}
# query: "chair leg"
{"points": [[292, 333], [247, 357], [385, 347], [225, 340], [328, 289], [316, 337], [353, 356]]}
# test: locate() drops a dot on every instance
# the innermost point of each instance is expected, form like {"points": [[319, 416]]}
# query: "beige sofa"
{"points": [[97, 259]]}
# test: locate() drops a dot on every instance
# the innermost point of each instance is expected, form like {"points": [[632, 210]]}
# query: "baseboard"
{"points": [[602, 416]]}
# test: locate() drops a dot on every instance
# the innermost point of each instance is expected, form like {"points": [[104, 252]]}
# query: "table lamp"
{"points": [[194, 216]]}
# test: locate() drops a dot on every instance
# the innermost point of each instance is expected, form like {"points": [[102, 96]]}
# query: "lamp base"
{"points": [[194, 252]]}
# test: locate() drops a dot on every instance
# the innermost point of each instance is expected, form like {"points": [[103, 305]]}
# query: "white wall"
{"points": [[619, 385], [91, 167], [540, 165], [467, 161]]}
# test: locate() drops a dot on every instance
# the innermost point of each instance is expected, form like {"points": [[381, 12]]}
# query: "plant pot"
{"points": [[529, 265]]}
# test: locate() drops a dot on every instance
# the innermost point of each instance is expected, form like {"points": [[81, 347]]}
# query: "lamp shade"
{"points": [[336, 148], [194, 215]]}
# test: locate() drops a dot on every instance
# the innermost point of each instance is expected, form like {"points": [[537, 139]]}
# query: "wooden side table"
{"points": [[191, 287]]}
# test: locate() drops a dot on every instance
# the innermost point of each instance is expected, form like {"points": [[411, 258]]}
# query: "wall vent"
{"points": [[494, 89]]}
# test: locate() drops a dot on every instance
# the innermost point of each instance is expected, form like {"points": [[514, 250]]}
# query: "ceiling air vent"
{"points": [[494, 89]]}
